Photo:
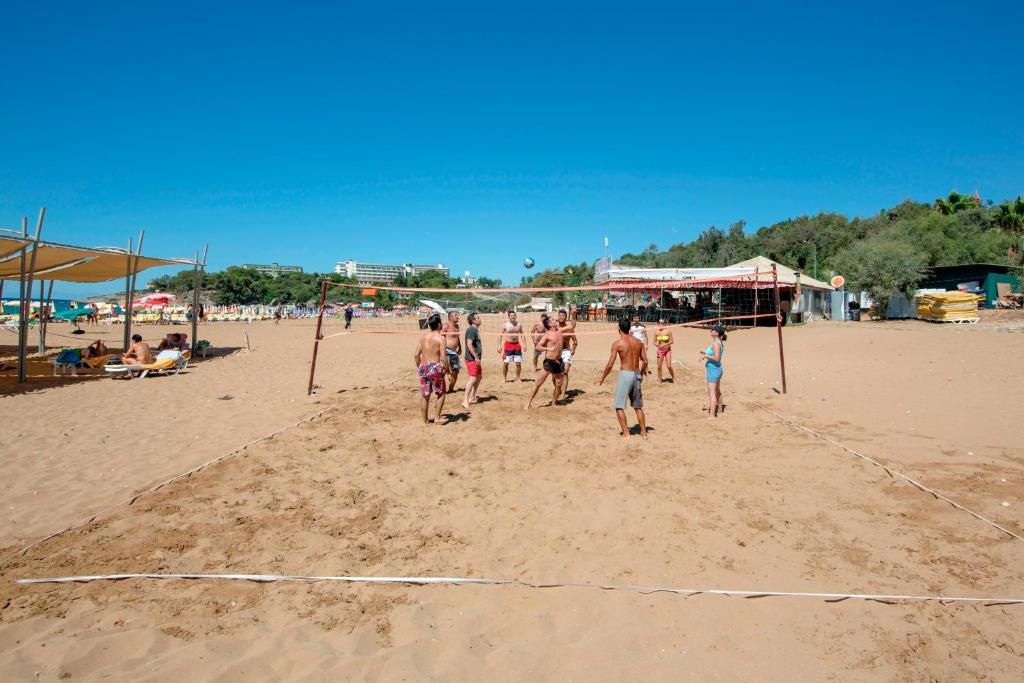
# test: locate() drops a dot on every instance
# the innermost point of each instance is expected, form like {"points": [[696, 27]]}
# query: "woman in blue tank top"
{"points": [[712, 357]]}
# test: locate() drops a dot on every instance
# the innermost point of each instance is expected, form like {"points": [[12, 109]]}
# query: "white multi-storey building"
{"points": [[379, 273]]}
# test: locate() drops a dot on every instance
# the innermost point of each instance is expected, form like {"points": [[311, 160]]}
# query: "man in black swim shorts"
{"points": [[551, 346]]}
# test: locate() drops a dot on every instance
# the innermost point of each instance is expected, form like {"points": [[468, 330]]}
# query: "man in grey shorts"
{"points": [[632, 368]]}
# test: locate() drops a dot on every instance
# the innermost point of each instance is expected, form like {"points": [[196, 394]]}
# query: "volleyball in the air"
{"points": [[528, 262]]}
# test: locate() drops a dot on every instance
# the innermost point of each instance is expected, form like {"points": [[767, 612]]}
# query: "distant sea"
{"points": [[10, 305]]}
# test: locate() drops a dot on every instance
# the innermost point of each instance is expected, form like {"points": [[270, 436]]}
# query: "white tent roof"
{"points": [[786, 274], [617, 272]]}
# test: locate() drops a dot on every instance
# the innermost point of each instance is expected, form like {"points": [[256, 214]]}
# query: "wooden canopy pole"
{"points": [[22, 324], [23, 341], [316, 340], [778, 325], [131, 292], [42, 320], [49, 310], [127, 291]]}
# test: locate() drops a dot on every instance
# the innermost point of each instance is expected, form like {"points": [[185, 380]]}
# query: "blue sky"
{"points": [[478, 134]]}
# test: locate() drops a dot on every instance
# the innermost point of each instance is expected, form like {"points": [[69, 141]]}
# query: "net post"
{"points": [[757, 282], [316, 340], [778, 325]]}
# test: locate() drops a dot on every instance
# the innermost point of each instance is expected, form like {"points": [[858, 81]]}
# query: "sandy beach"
{"points": [[553, 496]]}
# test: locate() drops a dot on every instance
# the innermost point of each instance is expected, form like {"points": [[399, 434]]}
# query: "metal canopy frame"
{"points": [[18, 247]]}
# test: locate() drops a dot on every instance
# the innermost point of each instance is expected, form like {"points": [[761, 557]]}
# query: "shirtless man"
{"points": [[509, 346], [569, 342], [138, 353], [550, 345], [431, 365], [632, 368], [453, 348], [536, 332]]}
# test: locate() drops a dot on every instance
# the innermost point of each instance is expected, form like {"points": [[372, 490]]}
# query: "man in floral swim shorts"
{"points": [[432, 365]]}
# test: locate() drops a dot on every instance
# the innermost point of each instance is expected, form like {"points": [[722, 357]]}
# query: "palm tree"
{"points": [[1011, 219], [1011, 215], [955, 203]]}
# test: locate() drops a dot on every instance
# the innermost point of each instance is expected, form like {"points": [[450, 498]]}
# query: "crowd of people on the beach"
{"points": [[443, 347]]}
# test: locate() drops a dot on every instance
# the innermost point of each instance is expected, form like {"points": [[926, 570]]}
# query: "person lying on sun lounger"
{"points": [[94, 350], [172, 341], [138, 353]]}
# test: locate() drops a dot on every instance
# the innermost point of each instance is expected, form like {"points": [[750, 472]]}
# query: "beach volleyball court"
{"points": [[746, 502]]}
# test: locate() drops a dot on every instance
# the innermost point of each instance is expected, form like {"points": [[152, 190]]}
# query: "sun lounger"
{"points": [[97, 362], [161, 366], [93, 363]]}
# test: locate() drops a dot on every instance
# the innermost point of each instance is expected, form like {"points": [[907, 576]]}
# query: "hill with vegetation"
{"points": [[882, 254]]}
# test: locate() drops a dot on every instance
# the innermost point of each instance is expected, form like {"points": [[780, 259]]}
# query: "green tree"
{"points": [[709, 247], [433, 279], [882, 267], [179, 283], [240, 286], [384, 298]]}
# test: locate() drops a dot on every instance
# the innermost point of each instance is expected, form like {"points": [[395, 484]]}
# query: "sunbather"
{"points": [[138, 353], [171, 341], [94, 350]]}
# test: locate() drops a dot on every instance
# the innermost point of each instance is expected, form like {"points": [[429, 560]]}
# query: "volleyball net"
{"points": [[734, 301]]}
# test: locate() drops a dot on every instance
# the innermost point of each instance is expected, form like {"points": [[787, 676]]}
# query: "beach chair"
{"points": [[162, 366], [63, 363]]}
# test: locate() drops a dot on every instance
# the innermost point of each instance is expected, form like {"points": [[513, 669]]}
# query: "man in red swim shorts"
{"points": [[509, 346], [474, 359]]}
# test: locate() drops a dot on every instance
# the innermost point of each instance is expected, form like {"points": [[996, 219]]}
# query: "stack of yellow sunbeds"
{"points": [[949, 306]]}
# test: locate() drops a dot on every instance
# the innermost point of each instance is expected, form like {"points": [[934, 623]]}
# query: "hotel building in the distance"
{"points": [[381, 274], [272, 269]]}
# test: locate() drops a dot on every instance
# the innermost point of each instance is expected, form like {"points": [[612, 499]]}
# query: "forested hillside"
{"points": [[894, 246]]}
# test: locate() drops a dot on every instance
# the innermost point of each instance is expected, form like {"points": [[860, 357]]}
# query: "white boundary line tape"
{"points": [[433, 580], [183, 475], [891, 472], [888, 470]]}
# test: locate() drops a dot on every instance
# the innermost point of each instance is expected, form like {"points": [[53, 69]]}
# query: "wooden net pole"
{"points": [[778, 325], [757, 282], [316, 340]]}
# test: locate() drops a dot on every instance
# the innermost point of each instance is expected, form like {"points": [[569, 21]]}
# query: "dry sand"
{"points": [[742, 502]]}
